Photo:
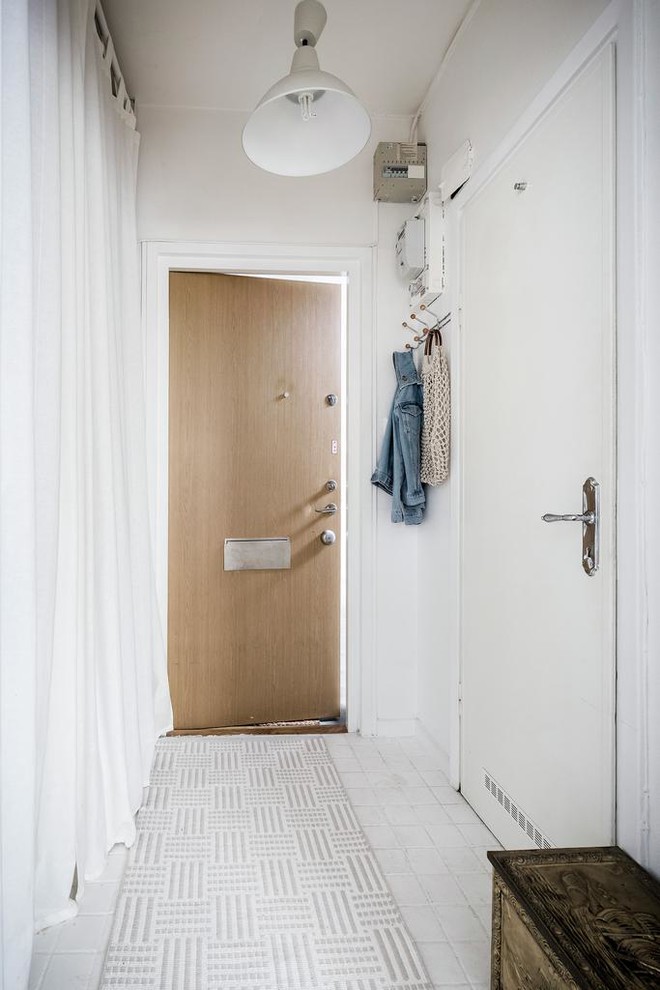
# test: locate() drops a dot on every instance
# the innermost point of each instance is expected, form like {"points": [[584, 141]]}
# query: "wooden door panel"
{"points": [[252, 646]]}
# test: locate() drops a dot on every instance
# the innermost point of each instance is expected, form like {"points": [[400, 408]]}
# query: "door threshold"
{"points": [[312, 726]]}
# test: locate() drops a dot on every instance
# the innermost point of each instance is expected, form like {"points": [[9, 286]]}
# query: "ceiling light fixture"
{"points": [[310, 121]]}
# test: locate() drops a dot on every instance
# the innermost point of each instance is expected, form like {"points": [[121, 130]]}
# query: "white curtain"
{"points": [[17, 504], [78, 619]]}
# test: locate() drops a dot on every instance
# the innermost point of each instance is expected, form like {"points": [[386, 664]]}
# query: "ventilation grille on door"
{"points": [[519, 817]]}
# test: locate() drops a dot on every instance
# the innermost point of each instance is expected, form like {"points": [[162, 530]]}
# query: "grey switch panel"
{"points": [[399, 172]]}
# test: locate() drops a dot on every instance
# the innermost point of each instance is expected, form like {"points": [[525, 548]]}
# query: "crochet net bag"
{"points": [[437, 411]]}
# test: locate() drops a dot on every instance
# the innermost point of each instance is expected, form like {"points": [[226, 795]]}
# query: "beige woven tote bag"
{"points": [[437, 411]]}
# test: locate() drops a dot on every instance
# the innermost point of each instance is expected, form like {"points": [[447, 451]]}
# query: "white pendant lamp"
{"points": [[310, 121]]}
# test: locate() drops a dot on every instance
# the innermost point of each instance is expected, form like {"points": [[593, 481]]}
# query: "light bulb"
{"points": [[306, 100]]}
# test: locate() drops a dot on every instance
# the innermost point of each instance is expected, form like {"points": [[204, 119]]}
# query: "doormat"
{"points": [[250, 872], [299, 725]]}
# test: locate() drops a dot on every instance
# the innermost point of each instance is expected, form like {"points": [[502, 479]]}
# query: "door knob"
{"points": [[328, 510], [590, 519], [328, 537]]}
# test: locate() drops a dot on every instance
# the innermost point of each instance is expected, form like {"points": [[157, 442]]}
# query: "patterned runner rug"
{"points": [[251, 872]]}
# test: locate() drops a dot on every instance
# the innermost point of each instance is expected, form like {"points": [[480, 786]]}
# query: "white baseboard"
{"points": [[424, 733], [396, 727]]}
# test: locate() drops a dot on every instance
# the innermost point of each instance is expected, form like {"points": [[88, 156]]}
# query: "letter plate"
{"points": [[258, 555]]}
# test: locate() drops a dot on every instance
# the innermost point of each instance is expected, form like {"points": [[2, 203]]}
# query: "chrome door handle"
{"points": [[327, 510], [587, 518], [590, 519]]}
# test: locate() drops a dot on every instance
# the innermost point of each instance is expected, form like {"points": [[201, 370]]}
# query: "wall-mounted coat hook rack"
{"points": [[427, 326], [439, 324]]}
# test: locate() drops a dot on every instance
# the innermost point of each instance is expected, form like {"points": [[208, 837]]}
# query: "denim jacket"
{"points": [[398, 468]]}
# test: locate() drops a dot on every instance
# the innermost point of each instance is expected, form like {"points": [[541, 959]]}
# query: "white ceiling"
{"points": [[227, 53]]}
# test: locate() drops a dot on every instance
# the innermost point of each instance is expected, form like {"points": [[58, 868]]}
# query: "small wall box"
{"points": [[399, 172], [410, 252], [431, 280]]}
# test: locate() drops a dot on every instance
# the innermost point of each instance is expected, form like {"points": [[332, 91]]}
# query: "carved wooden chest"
{"points": [[574, 918]]}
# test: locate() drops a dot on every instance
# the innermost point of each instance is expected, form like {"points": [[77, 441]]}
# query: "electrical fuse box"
{"points": [[399, 172]]}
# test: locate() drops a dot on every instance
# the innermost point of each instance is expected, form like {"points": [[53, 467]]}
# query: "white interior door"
{"points": [[537, 633]]}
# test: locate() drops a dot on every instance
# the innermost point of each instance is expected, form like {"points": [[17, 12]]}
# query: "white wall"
{"points": [[195, 183], [507, 53], [504, 57], [397, 617]]}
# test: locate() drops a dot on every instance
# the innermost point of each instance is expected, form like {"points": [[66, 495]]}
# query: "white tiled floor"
{"points": [[430, 844], [70, 956]]}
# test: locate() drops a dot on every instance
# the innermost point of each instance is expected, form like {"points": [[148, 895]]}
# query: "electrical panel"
{"points": [[421, 251], [399, 172]]}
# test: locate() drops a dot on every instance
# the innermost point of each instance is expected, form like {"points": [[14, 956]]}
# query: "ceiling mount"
{"points": [[308, 23], [309, 122]]}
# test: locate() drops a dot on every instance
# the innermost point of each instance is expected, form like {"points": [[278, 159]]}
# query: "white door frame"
{"points": [[618, 25], [161, 257]]}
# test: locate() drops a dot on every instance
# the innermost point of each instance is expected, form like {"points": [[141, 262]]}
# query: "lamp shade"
{"points": [[308, 123]]}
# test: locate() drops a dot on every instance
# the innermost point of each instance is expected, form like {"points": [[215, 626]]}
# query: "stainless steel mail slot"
{"points": [[258, 555]]}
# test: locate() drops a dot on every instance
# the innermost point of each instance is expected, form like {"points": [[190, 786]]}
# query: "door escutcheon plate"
{"points": [[590, 519], [591, 529]]}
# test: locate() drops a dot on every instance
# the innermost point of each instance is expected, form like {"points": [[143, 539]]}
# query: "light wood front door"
{"points": [[252, 443]]}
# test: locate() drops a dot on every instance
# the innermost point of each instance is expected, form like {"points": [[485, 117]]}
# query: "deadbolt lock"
{"points": [[331, 486], [328, 537], [331, 399]]}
